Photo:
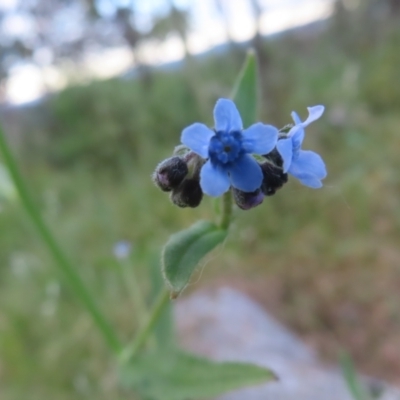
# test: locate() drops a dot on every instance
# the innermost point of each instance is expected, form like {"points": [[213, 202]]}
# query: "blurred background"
{"points": [[94, 93]]}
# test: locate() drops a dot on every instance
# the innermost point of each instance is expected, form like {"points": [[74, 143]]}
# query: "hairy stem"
{"points": [[226, 210], [131, 350]]}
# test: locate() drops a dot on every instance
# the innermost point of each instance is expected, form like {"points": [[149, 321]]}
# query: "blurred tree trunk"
{"points": [[224, 16], [257, 41], [132, 37], [179, 21], [264, 59], [394, 8]]}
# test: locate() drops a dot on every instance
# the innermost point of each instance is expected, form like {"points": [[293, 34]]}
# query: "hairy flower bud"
{"points": [[274, 157], [274, 178], [246, 200], [170, 173], [188, 194]]}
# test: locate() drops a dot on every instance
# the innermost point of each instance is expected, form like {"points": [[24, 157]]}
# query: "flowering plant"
{"points": [[214, 161], [304, 165], [240, 161], [227, 150]]}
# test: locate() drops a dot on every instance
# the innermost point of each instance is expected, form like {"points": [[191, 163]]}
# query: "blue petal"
{"points": [[314, 113], [226, 116], [297, 135], [259, 138], [246, 174], [214, 181], [307, 179], [310, 163], [310, 181], [197, 138], [296, 118], [285, 149]]}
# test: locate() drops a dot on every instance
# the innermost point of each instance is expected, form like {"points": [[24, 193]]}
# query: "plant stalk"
{"points": [[131, 350], [226, 210]]}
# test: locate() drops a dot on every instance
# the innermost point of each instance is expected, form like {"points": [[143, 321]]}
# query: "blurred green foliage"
{"points": [[380, 79], [326, 262], [106, 124], [102, 122]]}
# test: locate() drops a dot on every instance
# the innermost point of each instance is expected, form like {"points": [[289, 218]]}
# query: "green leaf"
{"points": [[245, 92], [185, 249], [354, 385], [181, 376]]}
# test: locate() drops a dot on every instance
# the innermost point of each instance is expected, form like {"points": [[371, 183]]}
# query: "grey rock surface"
{"points": [[226, 325]]}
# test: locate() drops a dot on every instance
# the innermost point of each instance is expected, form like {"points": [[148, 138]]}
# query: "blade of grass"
{"points": [[65, 266]]}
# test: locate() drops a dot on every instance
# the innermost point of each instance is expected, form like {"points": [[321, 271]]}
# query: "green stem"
{"points": [[70, 275], [226, 210], [131, 350]]}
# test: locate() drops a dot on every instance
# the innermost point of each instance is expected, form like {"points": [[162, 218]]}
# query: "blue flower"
{"points": [[228, 148], [122, 249], [305, 165]]}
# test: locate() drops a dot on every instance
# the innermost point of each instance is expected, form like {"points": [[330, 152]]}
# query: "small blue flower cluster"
{"points": [[222, 158]]}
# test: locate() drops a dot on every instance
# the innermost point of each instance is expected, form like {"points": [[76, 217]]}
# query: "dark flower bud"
{"points": [[274, 178], [274, 157], [246, 200], [170, 173], [188, 194]]}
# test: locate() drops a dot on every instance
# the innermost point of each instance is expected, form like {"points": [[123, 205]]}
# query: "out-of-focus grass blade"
{"points": [[245, 91], [356, 388]]}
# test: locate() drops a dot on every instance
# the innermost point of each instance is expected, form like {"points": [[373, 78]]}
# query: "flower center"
{"points": [[225, 147]]}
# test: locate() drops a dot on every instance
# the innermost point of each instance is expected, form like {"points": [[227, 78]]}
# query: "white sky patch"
{"points": [[108, 63], [17, 25], [207, 30], [144, 11], [24, 84], [53, 78], [301, 14], [43, 56], [241, 20], [29, 82], [8, 4], [69, 23], [200, 41], [157, 52], [207, 27]]}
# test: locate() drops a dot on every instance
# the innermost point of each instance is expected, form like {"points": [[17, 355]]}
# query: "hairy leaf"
{"points": [[181, 376], [185, 249]]}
